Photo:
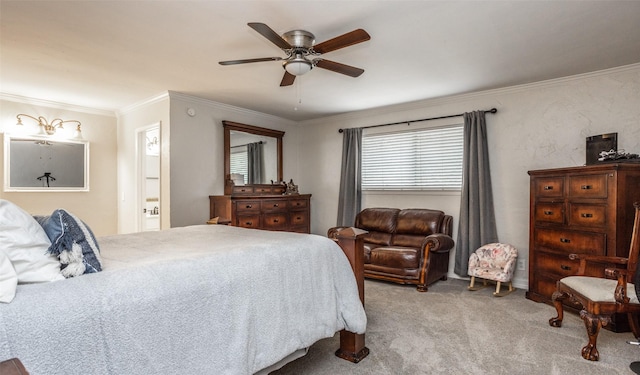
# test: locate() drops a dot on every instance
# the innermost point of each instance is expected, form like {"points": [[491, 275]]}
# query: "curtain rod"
{"points": [[247, 144], [492, 110]]}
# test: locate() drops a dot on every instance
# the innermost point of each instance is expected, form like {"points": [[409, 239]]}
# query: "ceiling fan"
{"points": [[301, 52]]}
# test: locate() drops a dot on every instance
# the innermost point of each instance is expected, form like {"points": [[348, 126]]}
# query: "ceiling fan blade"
{"points": [[268, 33], [245, 61], [344, 40], [287, 79], [339, 68]]}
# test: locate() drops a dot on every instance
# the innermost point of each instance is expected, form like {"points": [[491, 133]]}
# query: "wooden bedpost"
{"points": [[350, 240]]}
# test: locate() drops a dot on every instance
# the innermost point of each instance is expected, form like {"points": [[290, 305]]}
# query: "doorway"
{"points": [[148, 146]]}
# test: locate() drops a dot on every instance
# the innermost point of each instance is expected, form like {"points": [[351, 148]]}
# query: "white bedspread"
{"points": [[207, 299]]}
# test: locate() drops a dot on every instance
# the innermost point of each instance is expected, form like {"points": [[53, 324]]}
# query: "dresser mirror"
{"points": [[252, 155], [43, 164]]}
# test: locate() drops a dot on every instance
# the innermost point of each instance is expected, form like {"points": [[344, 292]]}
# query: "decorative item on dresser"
{"points": [[583, 210]]}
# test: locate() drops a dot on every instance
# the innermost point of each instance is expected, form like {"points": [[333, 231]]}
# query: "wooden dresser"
{"points": [[578, 210], [263, 207]]}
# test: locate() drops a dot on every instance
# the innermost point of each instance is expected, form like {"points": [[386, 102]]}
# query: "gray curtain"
{"points": [[254, 163], [477, 224], [350, 198]]}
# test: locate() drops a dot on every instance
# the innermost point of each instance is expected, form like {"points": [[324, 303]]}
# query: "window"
{"points": [[424, 159], [238, 163]]}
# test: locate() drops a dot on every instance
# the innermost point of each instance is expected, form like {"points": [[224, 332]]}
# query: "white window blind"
{"points": [[424, 159], [238, 162]]}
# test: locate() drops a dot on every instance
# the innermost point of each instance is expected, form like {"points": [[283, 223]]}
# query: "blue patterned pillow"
{"points": [[73, 242]]}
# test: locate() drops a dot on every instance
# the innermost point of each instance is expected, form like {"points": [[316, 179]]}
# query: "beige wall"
{"points": [[96, 207], [538, 126]]}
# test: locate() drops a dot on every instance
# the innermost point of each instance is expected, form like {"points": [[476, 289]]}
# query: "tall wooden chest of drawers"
{"points": [[263, 210], [578, 210]]}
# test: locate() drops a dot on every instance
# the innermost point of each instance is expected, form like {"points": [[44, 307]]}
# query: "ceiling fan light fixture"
{"points": [[298, 66]]}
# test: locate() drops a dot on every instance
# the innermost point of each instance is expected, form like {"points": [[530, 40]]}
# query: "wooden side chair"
{"points": [[602, 297]]}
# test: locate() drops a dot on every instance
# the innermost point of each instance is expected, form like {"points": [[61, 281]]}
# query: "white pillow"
{"points": [[8, 279], [24, 241]]}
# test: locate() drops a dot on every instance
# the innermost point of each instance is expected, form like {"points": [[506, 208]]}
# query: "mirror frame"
{"points": [[236, 126], [7, 165]]}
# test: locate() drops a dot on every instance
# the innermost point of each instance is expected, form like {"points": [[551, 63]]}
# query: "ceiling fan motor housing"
{"points": [[299, 38]]}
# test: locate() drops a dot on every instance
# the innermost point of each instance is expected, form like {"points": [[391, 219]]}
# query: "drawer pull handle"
{"points": [[566, 268], [586, 215], [248, 206], [548, 212], [548, 187], [275, 205], [248, 223], [565, 240], [275, 220], [585, 187]]}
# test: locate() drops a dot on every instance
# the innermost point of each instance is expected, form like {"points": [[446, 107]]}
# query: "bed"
{"points": [[204, 299]]}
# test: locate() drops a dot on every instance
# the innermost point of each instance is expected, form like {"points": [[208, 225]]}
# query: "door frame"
{"points": [[141, 146]]}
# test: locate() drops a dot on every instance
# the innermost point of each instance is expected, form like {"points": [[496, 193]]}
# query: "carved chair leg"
{"points": [[593, 323], [557, 298]]}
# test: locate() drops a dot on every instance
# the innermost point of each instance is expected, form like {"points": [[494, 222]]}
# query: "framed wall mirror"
{"points": [[37, 164], [252, 155]]}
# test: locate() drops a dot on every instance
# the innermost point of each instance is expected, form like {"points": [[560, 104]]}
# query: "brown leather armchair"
{"points": [[409, 246]]}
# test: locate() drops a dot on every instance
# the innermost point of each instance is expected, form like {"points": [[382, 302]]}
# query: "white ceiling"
{"points": [[112, 54]]}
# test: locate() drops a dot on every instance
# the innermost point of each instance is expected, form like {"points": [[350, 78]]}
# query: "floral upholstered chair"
{"points": [[495, 262]]}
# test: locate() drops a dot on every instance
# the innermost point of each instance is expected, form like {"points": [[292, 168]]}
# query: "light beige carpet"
{"points": [[450, 330]]}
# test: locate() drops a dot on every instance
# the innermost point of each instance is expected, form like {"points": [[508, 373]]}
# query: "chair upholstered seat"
{"points": [[597, 289]]}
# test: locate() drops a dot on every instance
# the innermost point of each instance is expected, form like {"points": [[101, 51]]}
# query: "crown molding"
{"points": [[428, 103], [228, 107], [143, 103], [51, 104]]}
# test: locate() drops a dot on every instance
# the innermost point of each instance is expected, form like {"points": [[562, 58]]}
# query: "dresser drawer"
{"points": [[247, 206], [300, 218], [562, 266], [248, 221], [273, 205], [274, 221], [549, 187], [549, 212], [568, 241], [242, 190], [588, 215], [588, 186], [298, 203]]}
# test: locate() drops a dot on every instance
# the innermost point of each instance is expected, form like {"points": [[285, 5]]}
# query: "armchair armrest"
{"points": [[333, 232], [438, 243], [584, 258]]}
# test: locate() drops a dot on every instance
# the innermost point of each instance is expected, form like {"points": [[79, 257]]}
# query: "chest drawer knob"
{"points": [[275, 220], [564, 267], [565, 240], [248, 206], [548, 187], [548, 212], [275, 205], [586, 215], [585, 187]]}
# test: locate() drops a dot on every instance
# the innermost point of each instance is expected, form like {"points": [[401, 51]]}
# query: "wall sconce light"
{"points": [[49, 128]]}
